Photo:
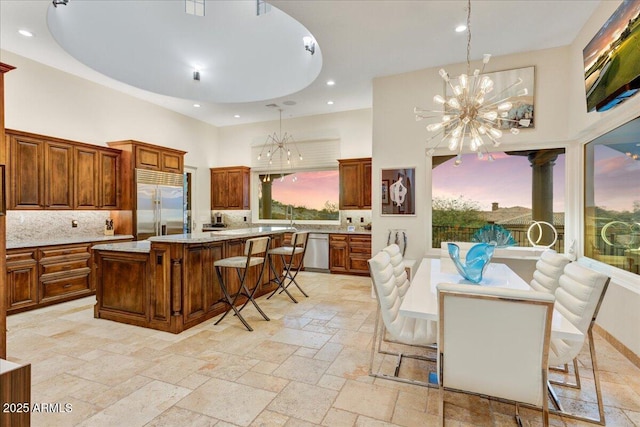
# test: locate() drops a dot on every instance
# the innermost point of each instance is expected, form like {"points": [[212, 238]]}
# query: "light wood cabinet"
{"points": [[355, 183], [349, 253], [230, 188], [142, 155]]}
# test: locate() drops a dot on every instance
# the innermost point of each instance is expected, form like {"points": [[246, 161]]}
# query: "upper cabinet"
{"points": [[96, 183], [230, 188], [355, 183], [52, 173], [152, 157]]}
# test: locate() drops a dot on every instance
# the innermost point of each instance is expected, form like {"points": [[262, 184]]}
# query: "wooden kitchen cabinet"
{"points": [[22, 279], [349, 253], [64, 272], [142, 155], [40, 173], [53, 173], [96, 185], [338, 253], [230, 188], [355, 183]]}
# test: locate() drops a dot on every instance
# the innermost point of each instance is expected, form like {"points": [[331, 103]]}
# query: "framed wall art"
{"points": [[385, 192], [401, 197], [504, 89]]}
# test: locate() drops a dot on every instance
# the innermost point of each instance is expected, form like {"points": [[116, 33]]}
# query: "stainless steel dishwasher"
{"points": [[317, 256]]}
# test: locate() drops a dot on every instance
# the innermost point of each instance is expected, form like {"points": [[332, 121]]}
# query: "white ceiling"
{"points": [[359, 40]]}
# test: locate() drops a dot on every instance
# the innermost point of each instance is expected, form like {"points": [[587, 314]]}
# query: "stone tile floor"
{"points": [[308, 366]]}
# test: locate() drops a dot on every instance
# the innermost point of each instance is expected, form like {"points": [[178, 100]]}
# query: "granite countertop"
{"points": [[142, 246], [64, 241], [220, 235], [310, 230]]}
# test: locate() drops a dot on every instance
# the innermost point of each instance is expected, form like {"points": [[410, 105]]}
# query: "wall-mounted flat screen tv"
{"points": [[612, 59]]}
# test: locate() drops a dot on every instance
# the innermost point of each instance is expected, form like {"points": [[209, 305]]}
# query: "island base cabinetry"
{"points": [[171, 288]]}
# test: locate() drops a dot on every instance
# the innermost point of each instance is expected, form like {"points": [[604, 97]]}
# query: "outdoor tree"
{"points": [[456, 212]]}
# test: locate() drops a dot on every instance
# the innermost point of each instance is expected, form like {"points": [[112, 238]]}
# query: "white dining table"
{"points": [[421, 300]]}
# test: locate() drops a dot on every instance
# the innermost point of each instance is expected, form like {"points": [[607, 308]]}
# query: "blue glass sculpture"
{"points": [[493, 233], [477, 260]]}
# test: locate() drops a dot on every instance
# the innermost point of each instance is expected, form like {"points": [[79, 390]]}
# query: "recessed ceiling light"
{"points": [[196, 105], [25, 33], [330, 102], [330, 82], [237, 116], [461, 28]]}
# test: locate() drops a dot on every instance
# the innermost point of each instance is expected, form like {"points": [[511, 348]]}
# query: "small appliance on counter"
{"points": [[218, 220]]}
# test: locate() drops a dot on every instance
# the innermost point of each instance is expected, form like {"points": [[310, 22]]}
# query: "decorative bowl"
{"points": [[477, 259]]}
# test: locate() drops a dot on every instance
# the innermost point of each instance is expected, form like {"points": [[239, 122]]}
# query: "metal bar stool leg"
{"points": [[250, 294], [229, 301], [279, 280]]}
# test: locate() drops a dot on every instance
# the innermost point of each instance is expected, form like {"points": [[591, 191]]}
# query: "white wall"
{"points": [[561, 119], [399, 141], [353, 128], [620, 311], [47, 101]]}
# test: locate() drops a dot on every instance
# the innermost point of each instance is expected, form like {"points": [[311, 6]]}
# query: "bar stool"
{"points": [[298, 248], [252, 247]]}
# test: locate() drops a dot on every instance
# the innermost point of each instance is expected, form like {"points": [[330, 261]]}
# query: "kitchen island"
{"points": [[168, 283]]}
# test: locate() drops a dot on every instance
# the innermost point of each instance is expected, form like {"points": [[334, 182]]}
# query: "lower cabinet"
{"points": [[349, 253], [22, 279], [45, 275]]}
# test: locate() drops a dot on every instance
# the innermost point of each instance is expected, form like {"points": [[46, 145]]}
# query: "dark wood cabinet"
{"points": [[96, 184], [4, 68], [349, 253], [230, 188], [202, 291], [22, 279], [58, 167], [64, 272], [26, 173], [157, 158], [355, 183], [52, 173], [338, 253]]}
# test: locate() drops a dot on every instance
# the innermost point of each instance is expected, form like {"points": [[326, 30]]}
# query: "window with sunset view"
{"points": [[501, 192], [314, 196]]}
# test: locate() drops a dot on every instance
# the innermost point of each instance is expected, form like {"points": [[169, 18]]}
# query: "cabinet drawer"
{"points": [[58, 288], [360, 240], [338, 237], [360, 250], [358, 264], [64, 266], [64, 251], [20, 257]]}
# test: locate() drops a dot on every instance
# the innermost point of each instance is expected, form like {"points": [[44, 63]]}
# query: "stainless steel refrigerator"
{"points": [[160, 203]]}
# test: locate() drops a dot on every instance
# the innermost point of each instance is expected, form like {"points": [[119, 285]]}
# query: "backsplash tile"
{"points": [[24, 226]]}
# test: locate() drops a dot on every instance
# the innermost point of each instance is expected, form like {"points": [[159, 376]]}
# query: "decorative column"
{"points": [[542, 163], [266, 197]]}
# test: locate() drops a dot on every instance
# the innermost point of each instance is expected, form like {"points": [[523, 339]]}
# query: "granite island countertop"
{"points": [[16, 244], [310, 230], [144, 246]]}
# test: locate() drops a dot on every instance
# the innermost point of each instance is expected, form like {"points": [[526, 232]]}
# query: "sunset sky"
{"points": [[610, 31], [312, 189], [506, 180], [613, 167]]}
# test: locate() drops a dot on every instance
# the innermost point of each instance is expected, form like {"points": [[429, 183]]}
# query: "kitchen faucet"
{"points": [[289, 214]]}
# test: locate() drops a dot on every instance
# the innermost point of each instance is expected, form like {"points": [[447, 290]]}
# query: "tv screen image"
{"points": [[612, 59]]}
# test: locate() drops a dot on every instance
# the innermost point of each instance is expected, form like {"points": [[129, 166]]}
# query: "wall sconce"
{"points": [[309, 44], [57, 2], [196, 75]]}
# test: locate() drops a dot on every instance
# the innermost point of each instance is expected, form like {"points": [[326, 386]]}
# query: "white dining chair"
{"points": [[578, 297], [549, 268], [399, 271], [494, 342], [389, 283]]}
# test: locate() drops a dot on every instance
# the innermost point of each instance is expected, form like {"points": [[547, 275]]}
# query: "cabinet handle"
{"points": [[66, 252], [67, 267], [68, 285]]}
